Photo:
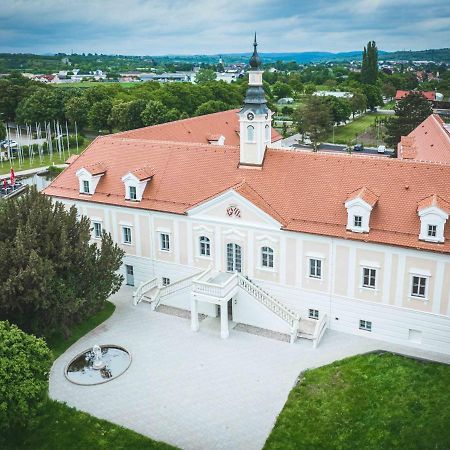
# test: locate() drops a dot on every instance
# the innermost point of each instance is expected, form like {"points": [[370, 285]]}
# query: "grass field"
{"points": [[59, 427], [375, 401], [5, 166], [347, 133]]}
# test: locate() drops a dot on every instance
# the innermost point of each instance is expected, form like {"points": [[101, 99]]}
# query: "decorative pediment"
{"points": [[233, 208]]}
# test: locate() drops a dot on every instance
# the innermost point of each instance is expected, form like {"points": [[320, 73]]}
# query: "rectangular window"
{"points": [[165, 242], [86, 189], [97, 230], [432, 230], [165, 281], [419, 286], [132, 191], [313, 314], [369, 278], [365, 325], [126, 234], [315, 268], [357, 221]]}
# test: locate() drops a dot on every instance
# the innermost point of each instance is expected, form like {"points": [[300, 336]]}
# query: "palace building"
{"points": [[216, 218]]}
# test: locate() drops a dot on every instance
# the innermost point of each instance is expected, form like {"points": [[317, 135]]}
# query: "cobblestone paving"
{"points": [[195, 390]]}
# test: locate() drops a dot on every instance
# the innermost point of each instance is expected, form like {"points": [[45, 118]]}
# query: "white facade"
{"points": [[342, 291]]}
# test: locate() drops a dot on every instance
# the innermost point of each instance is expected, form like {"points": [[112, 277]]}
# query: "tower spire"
{"points": [[255, 60]]}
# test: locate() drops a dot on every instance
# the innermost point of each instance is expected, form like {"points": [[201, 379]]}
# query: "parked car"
{"points": [[381, 149], [358, 148], [9, 143]]}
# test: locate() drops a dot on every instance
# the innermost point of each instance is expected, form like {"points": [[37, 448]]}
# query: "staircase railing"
{"points": [[319, 331], [274, 305], [183, 283], [143, 287]]}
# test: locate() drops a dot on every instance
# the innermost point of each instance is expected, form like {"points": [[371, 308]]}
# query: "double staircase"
{"points": [[222, 286]]}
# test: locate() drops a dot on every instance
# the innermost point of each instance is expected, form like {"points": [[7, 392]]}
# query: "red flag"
{"points": [[12, 177]]}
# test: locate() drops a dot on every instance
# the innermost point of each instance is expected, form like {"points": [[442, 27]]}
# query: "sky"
{"points": [[160, 27]]}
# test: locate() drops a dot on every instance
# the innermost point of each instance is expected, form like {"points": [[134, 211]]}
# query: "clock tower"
{"points": [[255, 118]]}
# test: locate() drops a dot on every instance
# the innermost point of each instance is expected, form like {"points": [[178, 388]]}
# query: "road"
{"points": [[327, 147]]}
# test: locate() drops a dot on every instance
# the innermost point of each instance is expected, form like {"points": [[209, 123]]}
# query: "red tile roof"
{"points": [[195, 129], [304, 191], [430, 141], [365, 194], [429, 95], [434, 200], [143, 173], [95, 168]]}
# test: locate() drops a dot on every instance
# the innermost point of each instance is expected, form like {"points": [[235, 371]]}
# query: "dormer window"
{"points": [[359, 207], [89, 177], [135, 183], [433, 213]]}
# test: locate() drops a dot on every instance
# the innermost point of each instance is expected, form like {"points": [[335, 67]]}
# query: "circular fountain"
{"points": [[98, 364]]}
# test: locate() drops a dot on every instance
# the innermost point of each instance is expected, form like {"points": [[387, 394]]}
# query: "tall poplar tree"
{"points": [[369, 68]]}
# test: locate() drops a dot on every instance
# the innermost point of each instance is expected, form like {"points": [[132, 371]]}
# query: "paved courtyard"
{"points": [[195, 390]]}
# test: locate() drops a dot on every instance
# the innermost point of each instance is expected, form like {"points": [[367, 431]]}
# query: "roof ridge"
{"points": [[187, 119]]}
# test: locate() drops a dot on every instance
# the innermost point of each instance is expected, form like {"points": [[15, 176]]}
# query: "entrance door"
{"points": [[130, 275], [234, 258]]}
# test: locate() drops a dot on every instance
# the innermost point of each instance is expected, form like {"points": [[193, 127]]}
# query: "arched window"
{"points": [[250, 133], [205, 246], [267, 257], [267, 131]]}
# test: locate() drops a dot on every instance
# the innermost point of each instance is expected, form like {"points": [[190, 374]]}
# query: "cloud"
{"points": [[155, 27]]}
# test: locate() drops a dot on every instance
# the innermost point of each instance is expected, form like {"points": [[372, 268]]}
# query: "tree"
{"points": [[51, 276], [43, 105], [2, 131], [358, 103], [298, 119], [411, 110], [340, 109], [210, 107], [205, 75], [25, 362], [318, 119], [98, 115], [389, 90], [369, 68], [127, 115], [280, 90], [154, 113], [373, 96], [76, 110]]}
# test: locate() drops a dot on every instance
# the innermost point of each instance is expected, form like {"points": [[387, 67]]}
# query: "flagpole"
{"points": [[67, 138], [76, 135]]}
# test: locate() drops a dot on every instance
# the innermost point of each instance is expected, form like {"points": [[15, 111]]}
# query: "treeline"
{"points": [[111, 106]]}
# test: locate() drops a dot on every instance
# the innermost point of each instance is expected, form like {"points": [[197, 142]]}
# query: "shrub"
{"points": [[25, 361]]}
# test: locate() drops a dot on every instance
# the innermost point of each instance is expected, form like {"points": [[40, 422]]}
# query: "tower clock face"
{"points": [[250, 116]]}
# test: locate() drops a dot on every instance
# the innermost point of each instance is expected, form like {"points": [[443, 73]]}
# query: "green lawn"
{"points": [[59, 427], [374, 401], [5, 166], [347, 133]]}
